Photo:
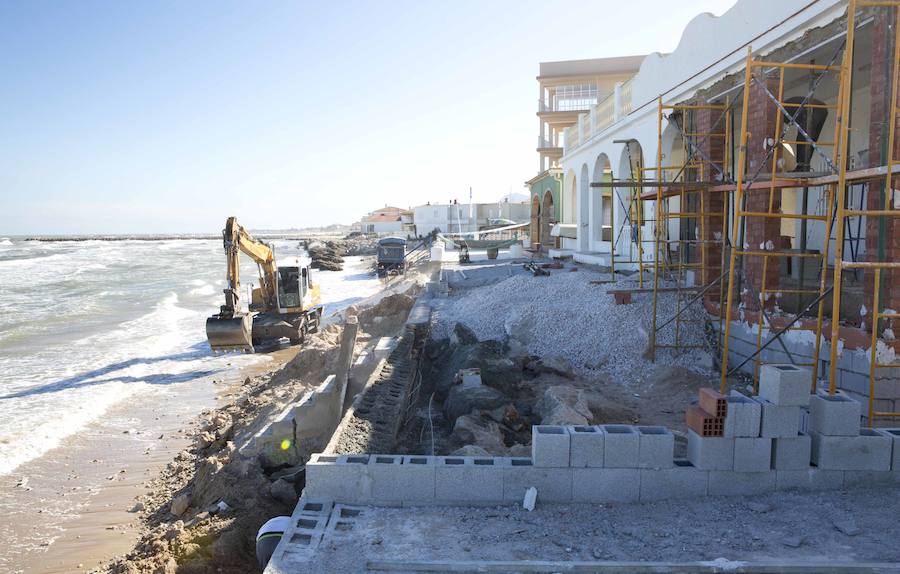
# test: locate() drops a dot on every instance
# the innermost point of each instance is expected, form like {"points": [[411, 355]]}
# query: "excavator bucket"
{"points": [[231, 333]]}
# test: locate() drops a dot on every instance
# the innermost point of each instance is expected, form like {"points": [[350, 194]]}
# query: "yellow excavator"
{"points": [[285, 305]]}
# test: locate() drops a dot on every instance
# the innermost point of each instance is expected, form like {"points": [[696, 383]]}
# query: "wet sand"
{"points": [[70, 510]]}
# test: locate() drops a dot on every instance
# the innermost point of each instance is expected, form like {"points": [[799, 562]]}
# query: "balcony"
{"points": [[608, 111]]}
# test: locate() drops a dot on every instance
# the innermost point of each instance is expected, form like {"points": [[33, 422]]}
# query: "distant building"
{"points": [[388, 220], [466, 217], [567, 90]]}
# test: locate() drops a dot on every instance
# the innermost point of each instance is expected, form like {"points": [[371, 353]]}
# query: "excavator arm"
{"points": [[232, 329], [237, 240]]}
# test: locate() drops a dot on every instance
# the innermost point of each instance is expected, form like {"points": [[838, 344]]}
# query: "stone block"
{"points": [[341, 478], [752, 454], [778, 420], [606, 484], [732, 483], [710, 453], [468, 480], [791, 453], [894, 434], [785, 385], [656, 447], [744, 415], [621, 446], [384, 347], [404, 480], [552, 484], [870, 450], [683, 480], [587, 446], [809, 479], [834, 415], [550, 446]]}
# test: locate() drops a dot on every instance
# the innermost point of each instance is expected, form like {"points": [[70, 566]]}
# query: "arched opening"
{"points": [[601, 201], [584, 213], [547, 219], [631, 165], [535, 229], [569, 205]]}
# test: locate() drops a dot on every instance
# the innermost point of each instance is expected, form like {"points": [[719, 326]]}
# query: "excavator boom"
{"points": [[282, 307]]}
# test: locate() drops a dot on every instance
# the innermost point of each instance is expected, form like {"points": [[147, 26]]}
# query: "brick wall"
{"points": [[709, 121], [761, 124], [882, 227]]}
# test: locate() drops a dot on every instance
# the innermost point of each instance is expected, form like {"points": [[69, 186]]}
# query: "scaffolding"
{"points": [[686, 184], [787, 115], [877, 180]]}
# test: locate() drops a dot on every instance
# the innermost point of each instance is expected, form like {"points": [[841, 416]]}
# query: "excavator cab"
{"points": [[290, 287]]}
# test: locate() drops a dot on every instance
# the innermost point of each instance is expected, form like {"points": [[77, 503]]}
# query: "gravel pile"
{"points": [[565, 315]]}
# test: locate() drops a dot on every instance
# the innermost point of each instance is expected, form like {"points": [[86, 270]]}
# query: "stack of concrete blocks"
{"points": [[839, 444], [852, 374]]}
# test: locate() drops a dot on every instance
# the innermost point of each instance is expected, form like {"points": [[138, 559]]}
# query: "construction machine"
{"points": [[285, 305]]}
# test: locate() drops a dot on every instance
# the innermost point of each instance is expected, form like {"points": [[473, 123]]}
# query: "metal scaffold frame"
{"points": [[685, 185], [784, 119], [878, 179]]}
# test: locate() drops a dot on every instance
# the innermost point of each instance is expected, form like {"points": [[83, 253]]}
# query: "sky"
{"points": [[168, 116]]}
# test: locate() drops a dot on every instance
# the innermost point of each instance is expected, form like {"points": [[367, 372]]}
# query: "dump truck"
{"points": [[284, 306], [391, 258]]}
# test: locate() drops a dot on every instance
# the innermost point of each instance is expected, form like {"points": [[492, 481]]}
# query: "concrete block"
{"points": [[552, 484], [384, 347], [550, 446], [809, 479], [656, 447], [402, 479], [587, 446], [621, 446], [733, 483], [804, 420], [744, 415], [869, 478], [778, 420], [870, 450], [834, 415], [791, 453], [785, 385], [894, 434], [606, 484], [710, 453], [752, 454], [341, 478], [468, 480], [683, 480]]}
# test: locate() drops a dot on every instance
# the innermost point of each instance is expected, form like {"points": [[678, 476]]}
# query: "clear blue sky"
{"points": [[168, 116]]}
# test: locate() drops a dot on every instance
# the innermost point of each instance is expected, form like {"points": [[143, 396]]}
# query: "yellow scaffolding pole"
{"points": [[688, 172], [741, 214], [892, 113]]}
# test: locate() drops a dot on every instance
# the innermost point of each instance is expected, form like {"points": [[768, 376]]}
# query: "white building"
{"points": [[711, 49], [467, 217], [387, 220]]}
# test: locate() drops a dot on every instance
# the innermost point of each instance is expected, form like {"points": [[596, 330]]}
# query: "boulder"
{"points": [[283, 491], [557, 365], [179, 504], [463, 400], [481, 432], [562, 405], [470, 450], [464, 335]]}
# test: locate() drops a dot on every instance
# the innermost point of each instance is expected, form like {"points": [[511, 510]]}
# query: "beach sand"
{"points": [[72, 509]]}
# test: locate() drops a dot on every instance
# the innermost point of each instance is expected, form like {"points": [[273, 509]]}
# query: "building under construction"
{"points": [[757, 179]]}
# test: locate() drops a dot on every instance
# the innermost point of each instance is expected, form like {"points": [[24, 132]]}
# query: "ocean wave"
{"points": [[5, 242], [202, 291]]}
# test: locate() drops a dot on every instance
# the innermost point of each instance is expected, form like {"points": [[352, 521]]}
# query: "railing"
{"points": [[565, 105], [544, 143], [608, 111]]}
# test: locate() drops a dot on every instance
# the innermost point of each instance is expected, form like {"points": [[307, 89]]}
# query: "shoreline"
{"points": [[72, 508]]}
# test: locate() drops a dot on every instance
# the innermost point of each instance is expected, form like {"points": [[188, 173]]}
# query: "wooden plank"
{"points": [[617, 567]]}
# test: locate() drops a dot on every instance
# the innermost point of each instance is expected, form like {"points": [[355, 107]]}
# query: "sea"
{"points": [[88, 325]]}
